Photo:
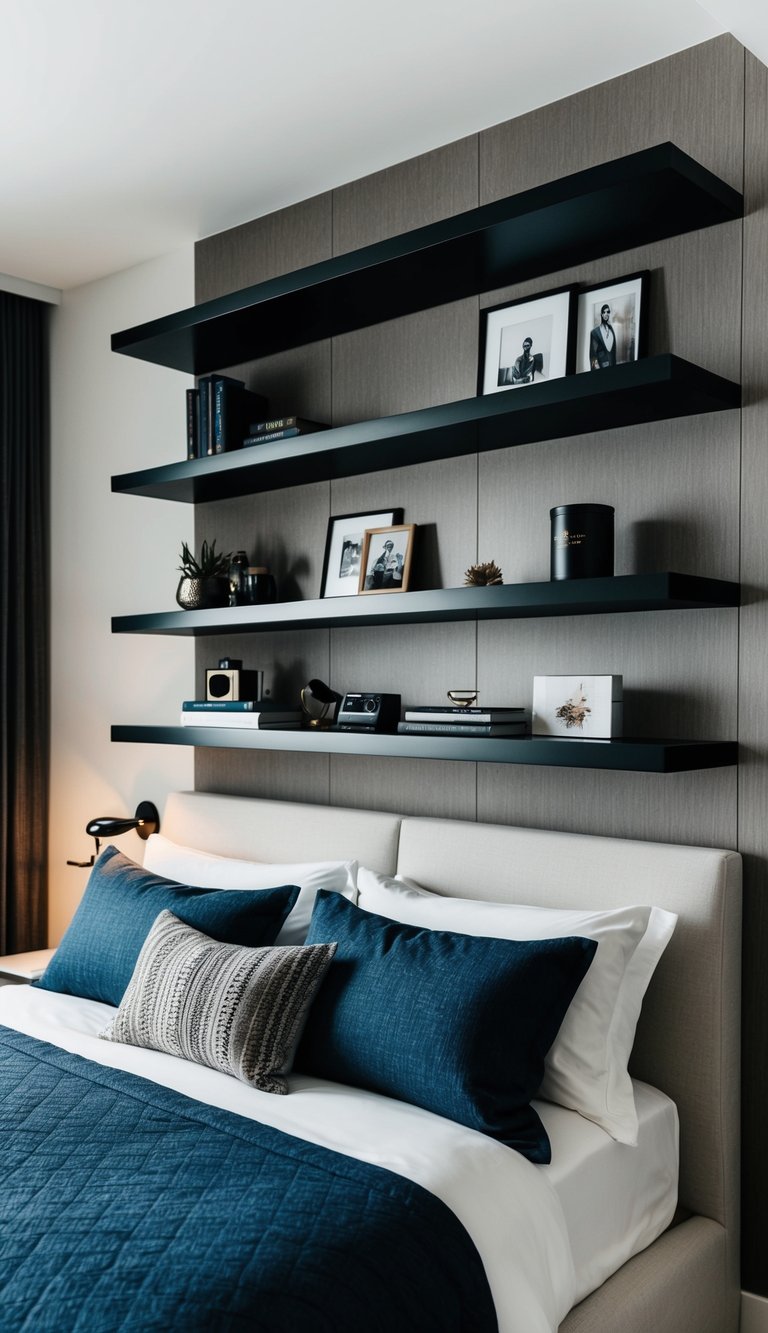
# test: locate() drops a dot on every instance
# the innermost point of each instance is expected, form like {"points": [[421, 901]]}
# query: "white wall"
{"points": [[112, 555]]}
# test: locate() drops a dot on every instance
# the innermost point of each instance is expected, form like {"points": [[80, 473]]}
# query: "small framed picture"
{"points": [[386, 559], [527, 341], [344, 549], [612, 323]]}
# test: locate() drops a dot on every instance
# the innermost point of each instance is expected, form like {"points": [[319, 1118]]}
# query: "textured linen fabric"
{"points": [[234, 1009], [98, 953], [458, 1024], [586, 1068], [127, 1206]]}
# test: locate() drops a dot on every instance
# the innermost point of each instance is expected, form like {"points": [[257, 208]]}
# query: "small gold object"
{"points": [[463, 698], [481, 576]]}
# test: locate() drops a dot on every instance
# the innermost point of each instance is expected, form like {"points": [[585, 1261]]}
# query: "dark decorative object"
{"points": [[483, 575], [204, 583], [238, 568], [319, 703], [258, 587], [582, 541]]}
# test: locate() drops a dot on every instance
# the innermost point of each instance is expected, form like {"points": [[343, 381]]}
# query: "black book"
{"points": [[284, 434], [192, 424], [462, 728], [232, 405], [424, 713], [283, 423], [205, 411]]}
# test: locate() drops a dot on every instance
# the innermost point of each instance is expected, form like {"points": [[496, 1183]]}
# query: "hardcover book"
{"points": [[233, 706], [440, 714], [254, 720], [232, 405], [192, 424], [302, 424], [462, 728]]}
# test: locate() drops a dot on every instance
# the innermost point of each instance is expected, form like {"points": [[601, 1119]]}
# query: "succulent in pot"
{"points": [[204, 582]]}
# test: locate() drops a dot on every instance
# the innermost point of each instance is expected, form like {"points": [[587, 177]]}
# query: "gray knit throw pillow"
{"points": [[236, 1009]]}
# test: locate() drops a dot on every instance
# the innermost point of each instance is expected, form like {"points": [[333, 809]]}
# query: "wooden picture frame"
{"points": [[386, 561]]}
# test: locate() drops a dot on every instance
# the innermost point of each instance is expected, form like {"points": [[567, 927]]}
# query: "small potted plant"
{"points": [[204, 582]]}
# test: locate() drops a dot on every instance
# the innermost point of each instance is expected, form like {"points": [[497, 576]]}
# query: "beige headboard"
{"points": [[688, 1041]]}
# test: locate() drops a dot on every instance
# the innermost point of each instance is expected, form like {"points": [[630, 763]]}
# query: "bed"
{"points": [[605, 1235]]}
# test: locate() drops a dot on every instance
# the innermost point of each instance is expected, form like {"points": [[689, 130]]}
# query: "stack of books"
{"points": [[280, 428], [456, 721], [259, 715], [217, 413]]}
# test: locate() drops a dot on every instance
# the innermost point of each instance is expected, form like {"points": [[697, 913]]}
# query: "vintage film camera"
{"points": [[229, 683], [369, 712]]}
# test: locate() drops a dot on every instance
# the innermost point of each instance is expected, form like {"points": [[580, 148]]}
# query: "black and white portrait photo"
{"points": [[344, 550], [611, 323], [386, 563], [526, 341]]}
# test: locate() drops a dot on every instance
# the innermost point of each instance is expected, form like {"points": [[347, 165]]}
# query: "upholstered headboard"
{"points": [[689, 1033]]}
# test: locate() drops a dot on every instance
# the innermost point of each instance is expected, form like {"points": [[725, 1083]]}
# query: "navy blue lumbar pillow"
{"points": [[458, 1024], [97, 955]]}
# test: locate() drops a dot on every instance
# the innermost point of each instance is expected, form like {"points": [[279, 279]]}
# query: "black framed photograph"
{"points": [[612, 323], [386, 560], [525, 341], [344, 548]]}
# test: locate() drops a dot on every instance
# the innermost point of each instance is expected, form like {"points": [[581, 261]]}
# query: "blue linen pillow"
{"points": [[98, 953], [458, 1024]]}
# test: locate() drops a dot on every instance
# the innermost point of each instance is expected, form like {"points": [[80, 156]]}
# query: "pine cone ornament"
{"points": [[482, 576]]}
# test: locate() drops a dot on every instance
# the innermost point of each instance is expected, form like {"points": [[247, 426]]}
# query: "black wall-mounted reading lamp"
{"points": [[145, 821]]}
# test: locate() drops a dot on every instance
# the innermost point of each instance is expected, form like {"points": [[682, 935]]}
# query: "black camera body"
{"points": [[368, 712]]}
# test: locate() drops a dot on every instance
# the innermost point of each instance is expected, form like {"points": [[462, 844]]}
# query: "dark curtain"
{"points": [[24, 623]]}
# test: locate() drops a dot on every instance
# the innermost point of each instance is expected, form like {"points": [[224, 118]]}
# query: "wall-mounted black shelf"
{"points": [[656, 388], [642, 197], [639, 756], [515, 601]]}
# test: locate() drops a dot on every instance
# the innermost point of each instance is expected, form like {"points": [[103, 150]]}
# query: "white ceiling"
{"points": [[133, 127]]}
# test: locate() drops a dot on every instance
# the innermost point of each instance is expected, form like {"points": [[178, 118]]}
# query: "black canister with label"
{"points": [[581, 541]]}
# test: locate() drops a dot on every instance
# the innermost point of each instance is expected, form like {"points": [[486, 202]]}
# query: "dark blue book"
{"points": [[233, 404], [303, 425], [272, 435], [192, 424]]}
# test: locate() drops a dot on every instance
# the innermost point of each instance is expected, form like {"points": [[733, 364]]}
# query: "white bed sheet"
{"points": [[546, 1235], [616, 1199]]}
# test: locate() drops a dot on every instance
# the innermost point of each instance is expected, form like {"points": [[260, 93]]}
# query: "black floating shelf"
{"points": [[656, 388], [640, 756], [514, 601], [643, 197]]}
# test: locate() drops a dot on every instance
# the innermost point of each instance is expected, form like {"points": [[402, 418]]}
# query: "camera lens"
{"points": [[370, 705]]}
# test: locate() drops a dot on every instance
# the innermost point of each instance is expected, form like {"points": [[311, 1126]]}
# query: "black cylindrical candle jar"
{"points": [[582, 541]]}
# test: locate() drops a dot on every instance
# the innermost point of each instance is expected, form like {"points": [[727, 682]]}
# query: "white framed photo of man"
{"points": [[344, 550], [612, 323], [386, 559], [524, 342]]}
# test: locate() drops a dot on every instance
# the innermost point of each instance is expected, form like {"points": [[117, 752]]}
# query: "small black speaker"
{"points": [[229, 683]]}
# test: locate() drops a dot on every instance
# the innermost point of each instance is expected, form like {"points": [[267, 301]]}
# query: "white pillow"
{"points": [[206, 870], [586, 1068]]}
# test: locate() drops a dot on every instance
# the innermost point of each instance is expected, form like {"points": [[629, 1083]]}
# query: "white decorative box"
{"points": [[580, 707]]}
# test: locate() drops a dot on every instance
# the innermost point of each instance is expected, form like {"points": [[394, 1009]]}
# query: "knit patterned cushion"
{"points": [[235, 1009]]}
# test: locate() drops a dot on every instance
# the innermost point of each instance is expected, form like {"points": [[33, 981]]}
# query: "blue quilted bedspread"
{"points": [[125, 1205]]}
